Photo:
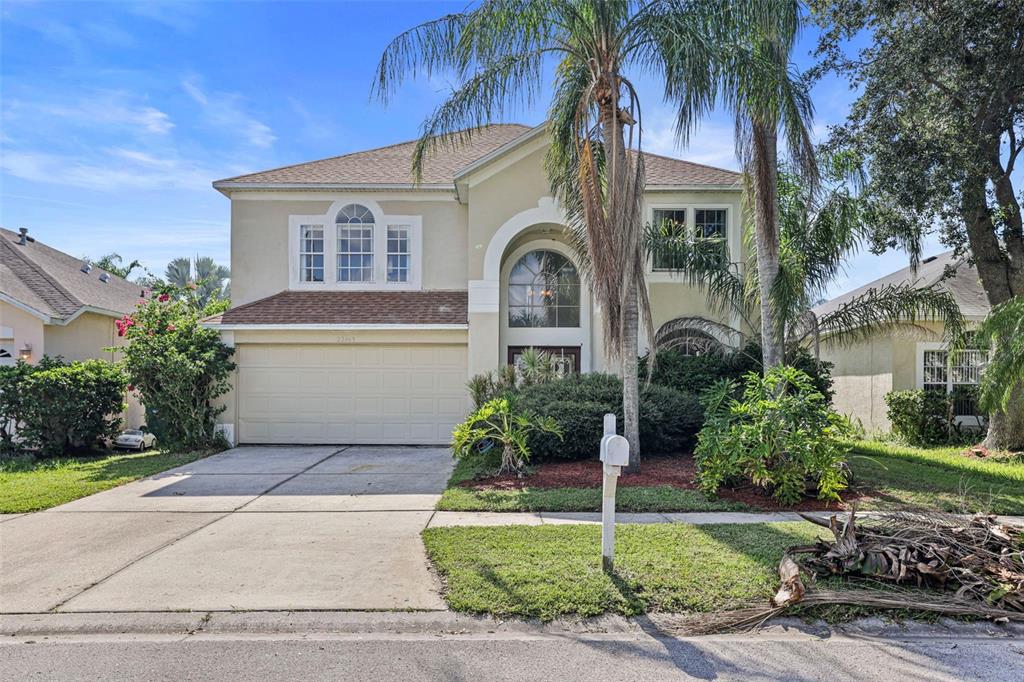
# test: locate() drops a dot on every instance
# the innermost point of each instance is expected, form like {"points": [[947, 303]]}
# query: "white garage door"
{"points": [[400, 394]]}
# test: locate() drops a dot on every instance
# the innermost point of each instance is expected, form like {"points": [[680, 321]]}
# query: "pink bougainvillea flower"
{"points": [[163, 298], [171, 327], [131, 387]]}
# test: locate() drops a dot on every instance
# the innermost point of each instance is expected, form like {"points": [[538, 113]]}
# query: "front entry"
{"points": [[567, 358]]}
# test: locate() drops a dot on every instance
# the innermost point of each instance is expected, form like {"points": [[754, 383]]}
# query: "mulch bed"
{"points": [[675, 471]]}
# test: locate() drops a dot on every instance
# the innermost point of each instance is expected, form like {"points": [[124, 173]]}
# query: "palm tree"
{"points": [[212, 281], [766, 96], [820, 227], [112, 263], [499, 49]]}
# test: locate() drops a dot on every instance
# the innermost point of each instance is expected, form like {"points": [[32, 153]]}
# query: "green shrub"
{"points": [[669, 419], [501, 423], [58, 407], [695, 373], [781, 436], [178, 366], [924, 418]]}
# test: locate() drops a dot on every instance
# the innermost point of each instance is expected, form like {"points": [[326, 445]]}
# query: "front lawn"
{"points": [[28, 484], [898, 477], [551, 571]]}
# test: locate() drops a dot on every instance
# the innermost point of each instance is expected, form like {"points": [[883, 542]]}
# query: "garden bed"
{"points": [[673, 472]]}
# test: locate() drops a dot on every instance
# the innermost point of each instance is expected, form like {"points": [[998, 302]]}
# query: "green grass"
{"points": [[628, 498], [935, 478], [28, 484], [551, 571]]}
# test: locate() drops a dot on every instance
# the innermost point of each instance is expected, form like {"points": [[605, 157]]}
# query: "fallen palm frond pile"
{"points": [[979, 558]]}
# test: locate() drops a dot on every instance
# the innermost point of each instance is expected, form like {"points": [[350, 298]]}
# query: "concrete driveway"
{"points": [[253, 528]]}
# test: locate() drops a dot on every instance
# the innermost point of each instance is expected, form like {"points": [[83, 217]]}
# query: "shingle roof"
{"points": [[963, 285], [52, 282], [351, 307], [392, 165]]}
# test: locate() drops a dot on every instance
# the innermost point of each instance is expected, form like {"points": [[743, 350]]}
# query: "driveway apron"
{"points": [[252, 528]]}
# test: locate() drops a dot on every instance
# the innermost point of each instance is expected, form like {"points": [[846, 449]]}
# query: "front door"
{"points": [[567, 358]]}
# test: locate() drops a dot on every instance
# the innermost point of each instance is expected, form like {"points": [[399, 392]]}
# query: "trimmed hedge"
{"points": [[669, 419], [60, 407]]}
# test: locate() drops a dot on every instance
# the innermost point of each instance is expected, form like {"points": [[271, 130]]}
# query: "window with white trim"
{"points": [[399, 253], [952, 373], [710, 225], [311, 253], [670, 223], [355, 244]]}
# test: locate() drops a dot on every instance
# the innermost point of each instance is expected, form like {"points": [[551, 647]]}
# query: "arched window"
{"points": [[355, 243], [543, 291]]}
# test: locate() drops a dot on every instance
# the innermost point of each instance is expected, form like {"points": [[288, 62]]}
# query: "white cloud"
{"points": [[118, 170], [224, 110], [110, 109]]}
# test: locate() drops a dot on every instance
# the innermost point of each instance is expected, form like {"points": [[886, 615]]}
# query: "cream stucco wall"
{"points": [[865, 371], [26, 329]]}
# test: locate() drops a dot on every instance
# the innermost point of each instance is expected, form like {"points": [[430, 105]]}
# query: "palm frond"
{"points": [[1002, 332], [888, 307]]}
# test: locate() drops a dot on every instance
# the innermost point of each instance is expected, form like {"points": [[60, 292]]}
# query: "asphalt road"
{"points": [[513, 656]]}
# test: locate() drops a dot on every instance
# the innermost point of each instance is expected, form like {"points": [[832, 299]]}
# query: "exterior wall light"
{"points": [[25, 353]]}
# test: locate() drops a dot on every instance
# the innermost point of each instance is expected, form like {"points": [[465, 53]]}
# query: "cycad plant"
{"points": [[499, 51], [820, 227]]}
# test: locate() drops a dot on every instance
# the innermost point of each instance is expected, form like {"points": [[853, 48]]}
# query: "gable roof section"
{"points": [[51, 282], [963, 285], [356, 308], [391, 166]]}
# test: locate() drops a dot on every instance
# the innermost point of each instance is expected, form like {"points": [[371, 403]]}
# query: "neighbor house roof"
{"points": [[392, 165], [963, 284], [359, 308], [52, 284]]}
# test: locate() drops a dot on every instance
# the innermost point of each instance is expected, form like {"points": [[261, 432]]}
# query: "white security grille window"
{"points": [[311, 253], [942, 372], [355, 244], [399, 253]]}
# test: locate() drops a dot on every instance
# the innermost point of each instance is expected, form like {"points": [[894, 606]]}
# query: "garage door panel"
{"points": [[350, 394]]}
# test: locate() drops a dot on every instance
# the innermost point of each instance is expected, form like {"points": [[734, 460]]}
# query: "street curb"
{"points": [[446, 624]]}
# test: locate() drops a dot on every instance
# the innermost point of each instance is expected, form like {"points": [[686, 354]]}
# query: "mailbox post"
{"points": [[614, 456]]}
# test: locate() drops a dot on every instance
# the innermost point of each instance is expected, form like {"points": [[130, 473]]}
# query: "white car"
{"points": [[135, 439]]}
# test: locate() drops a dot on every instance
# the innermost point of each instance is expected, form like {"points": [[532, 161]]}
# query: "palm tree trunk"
{"points": [[764, 172], [631, 378], [618, 163]]}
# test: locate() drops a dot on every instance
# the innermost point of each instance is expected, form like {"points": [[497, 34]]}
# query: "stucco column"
{"points": [[483, 326]]}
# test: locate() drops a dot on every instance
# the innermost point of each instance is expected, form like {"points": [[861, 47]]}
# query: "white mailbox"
{"points": [[615, 451]]}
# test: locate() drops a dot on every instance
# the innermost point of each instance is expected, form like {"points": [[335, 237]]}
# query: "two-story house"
{"points": [[363, 302]]}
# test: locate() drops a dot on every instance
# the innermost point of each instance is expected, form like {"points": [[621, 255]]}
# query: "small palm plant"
{"points": [[536, 367], [497, 423]]}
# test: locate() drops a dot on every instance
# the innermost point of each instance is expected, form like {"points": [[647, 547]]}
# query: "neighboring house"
{"points": [[364, 302], [914, 356], [57, 305]]}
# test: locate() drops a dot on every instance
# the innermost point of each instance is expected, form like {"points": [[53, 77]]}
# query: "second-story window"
{"points": [[670, 223], [398, 253], [311, 253], [355, 244], [710, 224]]}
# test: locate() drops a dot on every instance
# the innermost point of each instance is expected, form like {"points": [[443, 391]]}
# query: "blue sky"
{"points": [[116, 117]]}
